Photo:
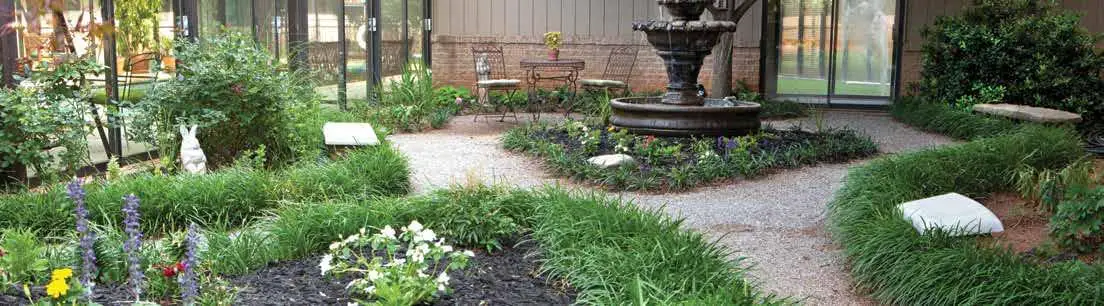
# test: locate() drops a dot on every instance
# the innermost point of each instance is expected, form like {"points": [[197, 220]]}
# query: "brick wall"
{"points": [[910, 70], [453, 62]]}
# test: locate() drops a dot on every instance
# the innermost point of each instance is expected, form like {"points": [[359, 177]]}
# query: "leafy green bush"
{"points": [[477, 217], [948, 120], [1078, 223], [230, 88], [900, 266], [1016, 51], [369, 172]]}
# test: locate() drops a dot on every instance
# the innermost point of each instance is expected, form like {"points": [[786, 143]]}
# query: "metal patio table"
{"points": [[566, 70]]}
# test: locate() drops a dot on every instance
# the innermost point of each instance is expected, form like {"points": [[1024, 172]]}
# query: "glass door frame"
{"points": [[770, 55]]}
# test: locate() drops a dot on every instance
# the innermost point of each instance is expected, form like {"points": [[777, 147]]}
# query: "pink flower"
{"points": [[237, 88]]}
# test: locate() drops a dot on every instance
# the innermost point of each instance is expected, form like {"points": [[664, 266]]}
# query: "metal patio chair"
{"points": [[490, 75], [618, 71]]}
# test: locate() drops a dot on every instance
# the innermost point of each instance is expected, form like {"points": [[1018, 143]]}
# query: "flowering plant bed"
{"points": [[668, 163], [507, 277]]}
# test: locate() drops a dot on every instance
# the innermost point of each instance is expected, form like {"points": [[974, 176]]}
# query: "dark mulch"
{"points": [[507, 277], [109, 295]]}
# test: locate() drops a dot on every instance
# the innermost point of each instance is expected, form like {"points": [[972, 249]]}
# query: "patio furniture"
{"points": [[565, 70], [490, 75], [618, 71]]}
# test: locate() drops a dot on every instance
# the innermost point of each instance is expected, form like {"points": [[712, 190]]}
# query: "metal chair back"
{"points": [[490, 63], [620, 64]]}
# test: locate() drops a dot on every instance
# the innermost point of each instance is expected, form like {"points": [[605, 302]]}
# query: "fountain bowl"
{"points": [[717, 117]]}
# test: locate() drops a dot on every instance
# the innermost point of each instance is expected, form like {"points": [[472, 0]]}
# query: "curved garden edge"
{"points": [[900, 266], [582, 238], [681, 165]]}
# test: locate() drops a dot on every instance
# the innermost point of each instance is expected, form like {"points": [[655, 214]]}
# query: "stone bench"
{"points": [[1028, 113]]}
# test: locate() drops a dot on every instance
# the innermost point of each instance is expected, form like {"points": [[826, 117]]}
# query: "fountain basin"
{"points": [[716, 117]]}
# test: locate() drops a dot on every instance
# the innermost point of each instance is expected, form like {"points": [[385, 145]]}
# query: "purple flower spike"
{"points": [[87, 238], [133, 243], [188, 284]]}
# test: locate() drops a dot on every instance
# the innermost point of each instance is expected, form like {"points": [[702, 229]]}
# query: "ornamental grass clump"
{"points": [[405, 268], [87, 238]]}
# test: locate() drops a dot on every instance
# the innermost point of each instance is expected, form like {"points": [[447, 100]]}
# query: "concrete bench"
{"points": [[1028, 113]]}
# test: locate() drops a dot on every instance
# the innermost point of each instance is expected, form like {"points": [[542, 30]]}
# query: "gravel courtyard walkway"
{"points": [[776, 222]]}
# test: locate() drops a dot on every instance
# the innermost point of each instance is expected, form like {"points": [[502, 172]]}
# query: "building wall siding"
{"points": [[591, 29]]}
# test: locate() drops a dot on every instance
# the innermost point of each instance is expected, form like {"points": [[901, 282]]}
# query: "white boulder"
{"points": [[349, 134], [611, 160], [953, 213]]}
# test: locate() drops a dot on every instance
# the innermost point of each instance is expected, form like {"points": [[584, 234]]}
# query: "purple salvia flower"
{"points": [[133, 243], [87, 238], [189, 288]]}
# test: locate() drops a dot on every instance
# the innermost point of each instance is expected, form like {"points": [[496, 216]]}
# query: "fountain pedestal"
{"points": [[683, 43]]}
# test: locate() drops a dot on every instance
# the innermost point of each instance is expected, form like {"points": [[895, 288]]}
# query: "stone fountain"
{"points": [[683, 43]]}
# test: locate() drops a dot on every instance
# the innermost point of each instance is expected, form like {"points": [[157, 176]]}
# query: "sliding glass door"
{"points": [[832, 51]]}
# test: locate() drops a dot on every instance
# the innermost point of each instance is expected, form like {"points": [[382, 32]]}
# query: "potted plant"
{"points": [[168, 61], [137, 32], [552, 40]]}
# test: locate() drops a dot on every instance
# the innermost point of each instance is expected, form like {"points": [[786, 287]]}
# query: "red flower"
{"points": [[168, 271], [648, 140], [180, 266]]}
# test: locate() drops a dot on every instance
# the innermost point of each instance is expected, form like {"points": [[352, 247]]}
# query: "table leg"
{"points": [[572, 83], [533, 77]]}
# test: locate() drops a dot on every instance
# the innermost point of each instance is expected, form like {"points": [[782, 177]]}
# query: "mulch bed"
{"points": [[507, 277]]}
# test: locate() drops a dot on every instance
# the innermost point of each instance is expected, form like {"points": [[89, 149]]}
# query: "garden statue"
{"points": [[192, 158], [683, 43]]}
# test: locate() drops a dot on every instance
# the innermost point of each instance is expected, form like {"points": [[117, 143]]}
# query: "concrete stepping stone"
{"points": [[953, 213], [1028, 113], [611, 160], [349, 134]]}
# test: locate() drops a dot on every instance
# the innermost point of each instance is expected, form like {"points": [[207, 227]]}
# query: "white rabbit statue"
{"points": [[191, 155]]}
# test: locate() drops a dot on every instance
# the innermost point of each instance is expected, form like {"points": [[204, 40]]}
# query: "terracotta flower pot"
{"points": [[553, 54]]}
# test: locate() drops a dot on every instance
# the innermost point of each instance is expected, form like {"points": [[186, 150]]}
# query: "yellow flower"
{"points": [[57, 287], [62, 274]]}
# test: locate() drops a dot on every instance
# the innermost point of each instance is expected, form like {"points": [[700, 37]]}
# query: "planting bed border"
{"points": [[899, 266], [826, 146]]}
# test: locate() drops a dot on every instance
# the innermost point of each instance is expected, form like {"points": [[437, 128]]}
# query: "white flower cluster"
{"points": [[382, 267]]}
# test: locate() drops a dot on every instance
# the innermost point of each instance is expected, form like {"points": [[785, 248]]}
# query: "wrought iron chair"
{"points": [[618, 71], [490, 75]]}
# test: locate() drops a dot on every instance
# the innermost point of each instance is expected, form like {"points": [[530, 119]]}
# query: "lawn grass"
{"points": [[901, 267]]}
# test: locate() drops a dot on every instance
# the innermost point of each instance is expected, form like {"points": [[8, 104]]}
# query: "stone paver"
{"points": [[777, 222]]}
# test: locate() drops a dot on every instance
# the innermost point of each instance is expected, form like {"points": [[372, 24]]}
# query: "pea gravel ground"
{"points": [[776, 222]]}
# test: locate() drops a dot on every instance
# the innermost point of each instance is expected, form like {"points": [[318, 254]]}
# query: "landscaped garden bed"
{"points": [[671, 163], [573, 248], [900, 266]]}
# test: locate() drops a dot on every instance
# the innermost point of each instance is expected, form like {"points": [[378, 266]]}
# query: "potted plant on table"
{"points": [[552, 40], [138, 32]]}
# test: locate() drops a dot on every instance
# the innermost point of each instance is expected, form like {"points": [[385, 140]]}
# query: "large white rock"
{"points": [[954, 213], [349, 134], [611, 160]]}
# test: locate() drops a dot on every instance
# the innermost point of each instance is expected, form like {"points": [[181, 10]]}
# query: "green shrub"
{"points": [[1078, 223], [947, 120], [22, 261], [899, 266], [476, 217], [1016, 51], [229, 87]]}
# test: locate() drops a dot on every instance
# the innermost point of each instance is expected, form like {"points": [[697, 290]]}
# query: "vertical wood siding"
{"points": [[605, 20]]}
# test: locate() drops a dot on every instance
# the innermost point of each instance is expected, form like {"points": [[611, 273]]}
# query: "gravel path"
{"points": [[777, 222]]}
